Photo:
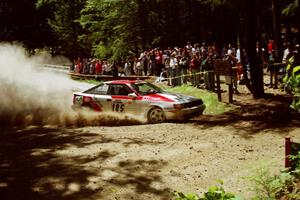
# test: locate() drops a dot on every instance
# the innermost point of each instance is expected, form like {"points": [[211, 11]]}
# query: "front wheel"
{"points": [[156, 115]]}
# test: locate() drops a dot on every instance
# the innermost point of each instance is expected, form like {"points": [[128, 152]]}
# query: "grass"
{"points": [[90, 81], [210, 99]]}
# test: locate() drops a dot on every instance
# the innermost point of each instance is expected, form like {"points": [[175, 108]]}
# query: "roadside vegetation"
{"points": [[210, 99], [90, 81], [284, 185], [293, 87]]}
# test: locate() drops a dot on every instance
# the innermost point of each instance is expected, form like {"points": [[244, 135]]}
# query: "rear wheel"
{"points": [[156, 115]]}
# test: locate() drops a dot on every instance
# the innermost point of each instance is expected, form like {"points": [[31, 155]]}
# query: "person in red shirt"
{"points": [[78, 66], [158, 62], [195, 70], [270, 46], [98, 67]]}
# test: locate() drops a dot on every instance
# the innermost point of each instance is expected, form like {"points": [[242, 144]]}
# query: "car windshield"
{"points": [[146, 88]]}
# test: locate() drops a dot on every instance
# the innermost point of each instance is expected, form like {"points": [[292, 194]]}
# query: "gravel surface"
{"points": [[146, 161]]}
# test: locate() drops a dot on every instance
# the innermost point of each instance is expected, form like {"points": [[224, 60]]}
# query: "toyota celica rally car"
{"points": [[139, 98]]}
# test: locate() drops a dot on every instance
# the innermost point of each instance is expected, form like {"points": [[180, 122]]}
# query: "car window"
{"points": [[100, 89], [146, 88], [120, 89]]}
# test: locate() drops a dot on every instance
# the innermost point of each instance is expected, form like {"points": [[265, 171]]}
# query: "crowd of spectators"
{"points": [[177, 66], [193, 64]]}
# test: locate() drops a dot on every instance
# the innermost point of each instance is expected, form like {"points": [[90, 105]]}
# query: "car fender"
{"points": [[153, 105]]}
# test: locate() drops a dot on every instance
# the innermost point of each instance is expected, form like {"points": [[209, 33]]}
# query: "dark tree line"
{"points": [[116, 29]]}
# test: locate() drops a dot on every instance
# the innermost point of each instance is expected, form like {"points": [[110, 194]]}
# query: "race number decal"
{"points": [[118, 107]]}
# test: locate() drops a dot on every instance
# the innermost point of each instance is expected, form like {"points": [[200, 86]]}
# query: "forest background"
{"points": [[118, 29]]}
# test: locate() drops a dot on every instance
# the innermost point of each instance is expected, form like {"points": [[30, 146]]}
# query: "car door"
{"points": [[100, 98], [120, 101]]}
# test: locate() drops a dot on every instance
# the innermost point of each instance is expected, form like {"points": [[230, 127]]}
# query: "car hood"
{"points": [[179, 98]]}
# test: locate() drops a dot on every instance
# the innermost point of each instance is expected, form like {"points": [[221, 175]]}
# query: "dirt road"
{"points": [[144, 161]]}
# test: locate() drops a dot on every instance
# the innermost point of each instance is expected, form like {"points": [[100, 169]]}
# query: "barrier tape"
{"points": [[184, 75], [275, 64], [67, 68], [60, 67]]}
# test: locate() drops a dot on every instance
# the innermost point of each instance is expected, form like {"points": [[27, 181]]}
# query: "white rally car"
{"points": [[139, 98]]}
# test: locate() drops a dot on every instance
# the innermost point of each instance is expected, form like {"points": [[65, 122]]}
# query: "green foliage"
{"points": [[295, 159], [181, 196], [90, 81], [101, 51], [111, 27], [21, 22], [293, 86], [214, 193], [291, 9], [62, 18], [268, 186], [218, 193]]}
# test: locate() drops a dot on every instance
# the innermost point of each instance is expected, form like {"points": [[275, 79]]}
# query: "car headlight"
{"points": [[178, 106]]}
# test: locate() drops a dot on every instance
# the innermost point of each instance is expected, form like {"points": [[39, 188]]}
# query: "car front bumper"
{"points": [[185, 113]]}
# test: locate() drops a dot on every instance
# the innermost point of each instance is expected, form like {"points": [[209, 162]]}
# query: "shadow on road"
{"points": [[254, 116], [32, 168]]}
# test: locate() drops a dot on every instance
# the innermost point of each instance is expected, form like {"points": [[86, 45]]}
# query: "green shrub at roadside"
{"points": [[293, 87], [284, 185], [216, 192]]}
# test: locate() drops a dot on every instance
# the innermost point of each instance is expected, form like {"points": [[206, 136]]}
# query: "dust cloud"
{"points": [[30, 95]]}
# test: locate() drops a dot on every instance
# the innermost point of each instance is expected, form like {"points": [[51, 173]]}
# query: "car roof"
{"points": [[124, 81]]}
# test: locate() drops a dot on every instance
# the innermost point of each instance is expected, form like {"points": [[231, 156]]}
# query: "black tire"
{"points": [[156, 115]]}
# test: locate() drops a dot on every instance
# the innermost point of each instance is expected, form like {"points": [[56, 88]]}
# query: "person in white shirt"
{"points": [[173, 66], [285, 52]]}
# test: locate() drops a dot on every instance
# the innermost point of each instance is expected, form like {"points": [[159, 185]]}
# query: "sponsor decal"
{"points": [[78, 100], [89, 101]]}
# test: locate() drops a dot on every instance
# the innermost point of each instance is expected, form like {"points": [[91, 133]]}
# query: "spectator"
{"points": [[138, 68], [98, 67], [127, 68], [286, 52], [273, 70], [173, 66], [195, 70], [106, 68], [167, 66], [233, 61], [92, 66], [183, 67], [78, 66], [209, 78], [158, 62], [114, 70]]}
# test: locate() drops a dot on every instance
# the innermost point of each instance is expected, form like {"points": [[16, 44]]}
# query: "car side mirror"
{"points": [[132, 95]]}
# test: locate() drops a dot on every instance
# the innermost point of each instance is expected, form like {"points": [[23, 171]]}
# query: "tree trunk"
{"points": [[143, 22], [241, 42], [276, 30], [256, 70]]}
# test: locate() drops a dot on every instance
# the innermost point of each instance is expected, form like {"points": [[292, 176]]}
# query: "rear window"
{"points": [[99, 89]]}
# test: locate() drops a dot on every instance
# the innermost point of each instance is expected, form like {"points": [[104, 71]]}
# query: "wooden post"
{"points": [[287, 152], [230, 86], [230, 89], [219, 88]]}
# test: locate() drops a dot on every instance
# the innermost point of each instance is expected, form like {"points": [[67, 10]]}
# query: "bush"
{"points": [[293, 87], [214, 193], [285, 185]]}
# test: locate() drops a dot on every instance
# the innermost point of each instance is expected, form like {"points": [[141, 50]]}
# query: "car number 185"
{"points": [[118, 107]]}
